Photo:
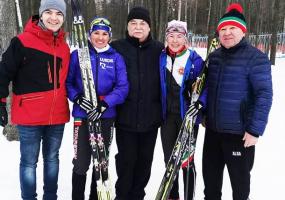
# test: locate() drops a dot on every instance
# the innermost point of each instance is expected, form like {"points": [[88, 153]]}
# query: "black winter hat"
{"points": [[139, 13]]}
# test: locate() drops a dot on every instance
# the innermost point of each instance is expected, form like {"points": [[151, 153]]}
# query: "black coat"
{"points": [[141, 111]]}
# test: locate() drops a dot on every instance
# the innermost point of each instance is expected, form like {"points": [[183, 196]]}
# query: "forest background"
{"points": [[262, 16]]}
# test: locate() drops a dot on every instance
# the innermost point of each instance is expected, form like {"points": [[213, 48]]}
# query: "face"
{"points": [[175, 41], [230, 36], [52, 19], [138, 28], [99, 38]]}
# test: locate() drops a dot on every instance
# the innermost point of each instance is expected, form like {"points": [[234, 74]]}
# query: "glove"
{"points": [[84, 103], [97, 112], [188, 88], [194, 109], [3, 114]]}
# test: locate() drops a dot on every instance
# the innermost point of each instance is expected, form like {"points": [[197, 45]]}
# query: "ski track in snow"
{"points": [[267, 174]]}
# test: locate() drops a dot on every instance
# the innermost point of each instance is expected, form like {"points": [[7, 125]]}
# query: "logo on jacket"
{"points": [[107, 60], [104, 63], [104, 66], [181, 70]]}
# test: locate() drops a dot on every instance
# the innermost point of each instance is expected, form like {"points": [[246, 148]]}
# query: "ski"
{"points": [[184, 147], [99, 157]]}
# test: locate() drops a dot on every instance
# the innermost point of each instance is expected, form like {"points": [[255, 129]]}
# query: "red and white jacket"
{"points": [[37, 64]]}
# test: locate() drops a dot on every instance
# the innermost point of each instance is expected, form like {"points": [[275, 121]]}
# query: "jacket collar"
{"points": [[242, 43], [93, 50], [176, 54], [135, 41]]}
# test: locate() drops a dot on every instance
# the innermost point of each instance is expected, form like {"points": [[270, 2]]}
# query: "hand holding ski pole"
{"points": [[194, 109], [97, 112], [84, 103], [3, 114]]}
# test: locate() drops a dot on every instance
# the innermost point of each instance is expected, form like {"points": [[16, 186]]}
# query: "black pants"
{"points": [[133, 163], [169, 132], [82, 155], [222, 149]]}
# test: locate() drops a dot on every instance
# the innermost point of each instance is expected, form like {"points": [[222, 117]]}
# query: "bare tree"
{"points": [[163, 19], [213, 19], [179, 9], [8, 28], [209, 13], [185, 11], [100, 7], [276, 16], [195, 15]]}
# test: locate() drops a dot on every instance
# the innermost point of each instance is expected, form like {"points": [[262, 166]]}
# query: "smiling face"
{"points": [[230, 36], [138, 28], [52, 19], [175, 41], [99, 38]]}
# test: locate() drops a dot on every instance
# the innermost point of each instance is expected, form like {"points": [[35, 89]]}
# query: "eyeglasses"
{"points": [[100, 20]]}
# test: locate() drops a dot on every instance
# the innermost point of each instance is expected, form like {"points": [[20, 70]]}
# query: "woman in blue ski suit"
{"points": [[179, 67], [111, 85]]}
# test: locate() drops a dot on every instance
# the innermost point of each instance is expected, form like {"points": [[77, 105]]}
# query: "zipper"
{"points": [[171, 82], [221, 70], [54, 82], [138, 125], [96, 73], [28, 98]]}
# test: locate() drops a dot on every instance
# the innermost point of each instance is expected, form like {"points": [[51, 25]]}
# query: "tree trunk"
{"points": [[100, 5], [195, 16], [213, 13], [8, 14], [179, 10], [209, 13], [163, 19], [274, 28], [185, 11]]}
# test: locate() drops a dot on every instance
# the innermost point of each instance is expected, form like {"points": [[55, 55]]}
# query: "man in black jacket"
{"points": [[140, 116]]}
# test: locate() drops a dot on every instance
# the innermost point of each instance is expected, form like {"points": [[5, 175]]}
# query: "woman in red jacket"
{"points": [[37, 63]]}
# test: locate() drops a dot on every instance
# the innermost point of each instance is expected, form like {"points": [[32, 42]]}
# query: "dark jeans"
{"points": [[222, 149], [133, 163], [30, 143]]}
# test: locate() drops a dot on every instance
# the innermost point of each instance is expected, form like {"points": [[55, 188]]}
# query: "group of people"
{"points": [[141, 85]]}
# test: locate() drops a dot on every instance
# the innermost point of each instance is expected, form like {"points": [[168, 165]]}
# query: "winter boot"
{"points": [[93, 189], [78, 186]]}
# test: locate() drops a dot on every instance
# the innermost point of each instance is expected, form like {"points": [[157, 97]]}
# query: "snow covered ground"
{"points": [[267, 175]]}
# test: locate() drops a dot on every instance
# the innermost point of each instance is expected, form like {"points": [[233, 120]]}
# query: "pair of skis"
{"points": [[99, 155], [184, 147]]}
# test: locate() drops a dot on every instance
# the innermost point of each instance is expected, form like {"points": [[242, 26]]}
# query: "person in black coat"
{"points": [[140, 116], [238, 104]]}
